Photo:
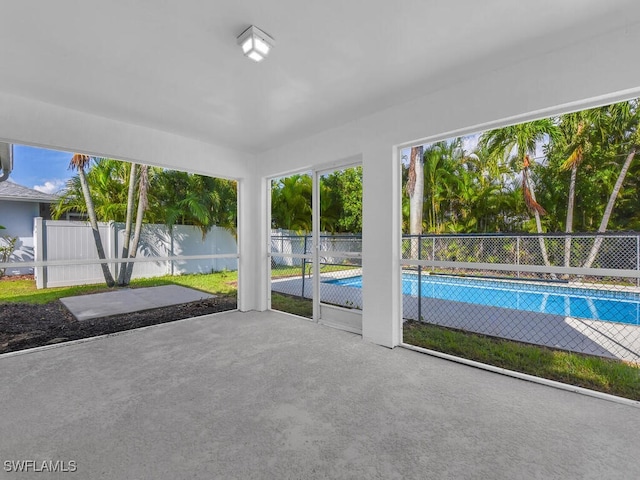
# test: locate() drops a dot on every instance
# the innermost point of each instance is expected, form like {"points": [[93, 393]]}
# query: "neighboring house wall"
{"points": [[17, 218]]}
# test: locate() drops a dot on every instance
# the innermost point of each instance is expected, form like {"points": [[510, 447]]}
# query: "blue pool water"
{"points": [[622, 307]]}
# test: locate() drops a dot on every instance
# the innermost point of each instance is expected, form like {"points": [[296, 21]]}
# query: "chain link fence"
{"points": [[572, 292], [614, 252], [340, 265]]}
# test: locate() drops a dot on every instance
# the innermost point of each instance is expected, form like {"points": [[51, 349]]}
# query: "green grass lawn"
{"points": [[609, 376], [25, 291], [604, 375], [290, 304], [280, 271]]}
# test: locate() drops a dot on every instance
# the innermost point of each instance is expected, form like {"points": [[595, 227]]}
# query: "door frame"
{"points": [[330, 315]]}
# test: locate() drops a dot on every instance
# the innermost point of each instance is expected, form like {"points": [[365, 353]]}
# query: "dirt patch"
{"points": [[12, 278], [26, 326]]}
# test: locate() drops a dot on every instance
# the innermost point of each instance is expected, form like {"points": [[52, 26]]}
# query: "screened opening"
{"points": [[526, 239], [321, 265], [291, 252], [162, 242]]}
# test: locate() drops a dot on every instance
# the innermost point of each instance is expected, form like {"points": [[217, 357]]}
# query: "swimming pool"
{"points": [[610, 306]]}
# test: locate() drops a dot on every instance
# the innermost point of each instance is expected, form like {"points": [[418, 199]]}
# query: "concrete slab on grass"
{"points": [[85, 307]]}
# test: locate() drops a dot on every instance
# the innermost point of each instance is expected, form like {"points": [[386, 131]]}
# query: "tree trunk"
{"points": [[94, 227], [536, 213], [415, 189], [569, 222], [607, 212], [142, 206], [127, 225]]}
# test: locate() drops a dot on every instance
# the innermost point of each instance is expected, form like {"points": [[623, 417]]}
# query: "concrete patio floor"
{"points": [[266, 395]]}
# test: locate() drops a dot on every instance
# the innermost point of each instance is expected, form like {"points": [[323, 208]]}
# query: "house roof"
{"points": [[176, 66], [17, 193]]}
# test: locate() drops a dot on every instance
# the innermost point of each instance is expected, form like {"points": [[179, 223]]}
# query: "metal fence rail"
{"points": [[600, 251]]}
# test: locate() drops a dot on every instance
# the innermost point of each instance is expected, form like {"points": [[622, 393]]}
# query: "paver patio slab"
{"points": [[85, 307]]}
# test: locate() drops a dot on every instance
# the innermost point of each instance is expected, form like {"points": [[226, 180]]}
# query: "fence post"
{"points": [[39, 253], [518, 254], [419, 279], [171, 249], [113, 247], [638, 259], [433, 253], [304, 263]]}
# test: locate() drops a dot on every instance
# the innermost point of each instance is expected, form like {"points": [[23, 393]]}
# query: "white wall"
{"points": [[35, 123], [591, 73], [17, 218]]}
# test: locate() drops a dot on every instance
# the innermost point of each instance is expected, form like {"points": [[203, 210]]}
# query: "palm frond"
{"points": [[574, 159], [79, 161], [529, 201]]}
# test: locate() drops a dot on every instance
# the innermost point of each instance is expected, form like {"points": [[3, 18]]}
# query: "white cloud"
{"points": [[470, 142], [50, 186]]}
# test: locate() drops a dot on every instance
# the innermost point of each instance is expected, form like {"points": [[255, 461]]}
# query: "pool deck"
{"points": [[593, 337]]}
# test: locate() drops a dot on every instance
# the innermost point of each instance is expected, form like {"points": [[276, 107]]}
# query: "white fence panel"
{"points": [[155, 241], [72, 240], [66, 240], [287, 242], [187, 240]]}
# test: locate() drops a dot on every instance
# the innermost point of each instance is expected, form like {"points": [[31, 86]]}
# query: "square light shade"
{"points": [[255, 43]]}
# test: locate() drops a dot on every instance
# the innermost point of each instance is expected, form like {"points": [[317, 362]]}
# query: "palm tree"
{"points": [[143, 203], [571, 163], [291, 203], [523, 138], [79, 162], [441, 159], [190, 199], [108, 180], [415, 190], [579, 130], [623, 121], [480, 189], [127, 225]]}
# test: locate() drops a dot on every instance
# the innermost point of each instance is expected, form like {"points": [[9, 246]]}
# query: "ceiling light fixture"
{"points": [[255, 43]]}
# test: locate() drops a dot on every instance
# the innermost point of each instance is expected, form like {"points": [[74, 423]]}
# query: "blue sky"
{"points": [[39, 168]]}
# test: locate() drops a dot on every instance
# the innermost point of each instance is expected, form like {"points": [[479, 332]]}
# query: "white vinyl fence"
{"points": [[290, 242], [57, 240]]}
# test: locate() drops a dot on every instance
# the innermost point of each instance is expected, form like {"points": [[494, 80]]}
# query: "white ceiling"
{"points": [[175, 65]]}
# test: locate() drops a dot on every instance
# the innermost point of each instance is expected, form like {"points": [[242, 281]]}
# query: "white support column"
{"points": [[381, 318], [315, 244], [252, 244]]}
